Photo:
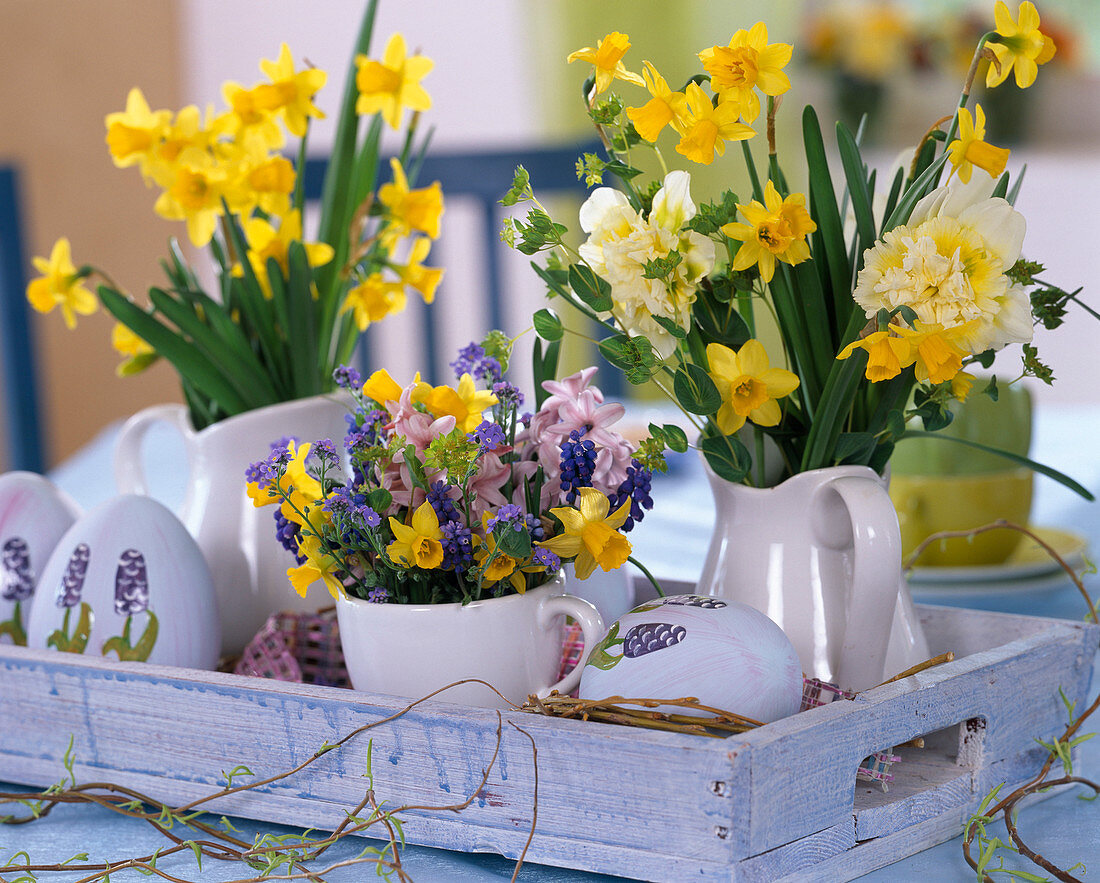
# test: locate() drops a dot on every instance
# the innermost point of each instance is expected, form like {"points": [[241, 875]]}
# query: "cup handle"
{"points": [[128, 467], [855, 511], [592, 627]]}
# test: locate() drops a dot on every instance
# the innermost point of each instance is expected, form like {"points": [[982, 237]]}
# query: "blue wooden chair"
{"points": [[22, 430], [483, 177]]}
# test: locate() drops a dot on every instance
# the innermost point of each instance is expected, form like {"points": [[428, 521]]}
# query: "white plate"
{"points": [[1027, 563]]}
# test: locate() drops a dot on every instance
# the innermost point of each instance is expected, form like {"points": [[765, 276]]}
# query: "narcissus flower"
{"points": [[373, 299], [466, 403], [410, 210], [887, 354], [60, 286], [319, 565], [382, 388], [748, 384], [290, 92], [749, 62], [664, 108], [137, 354], [251, 118], [937, 356], [301, 489], [419, 544], [706, 128], [1022, 47], [590, 533], [415, 275], [266, 242], [392, 84], [134, 133], [970, 150], [195, 197], [776, 230], [949, 265], [607, 57]]}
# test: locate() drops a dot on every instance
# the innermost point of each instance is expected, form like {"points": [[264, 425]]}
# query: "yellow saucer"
{"points": [[1027, 560]]}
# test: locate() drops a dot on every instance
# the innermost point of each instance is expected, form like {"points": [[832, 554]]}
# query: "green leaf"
{"points": [[590, 288], [854, 447], [727, 456], [695, 391], [913, 194], [379, 499], [671, 327], [856, 174], [634, 355], [675, 438], [823, 207], [1015, 458], [516, 543], [548, 325]]}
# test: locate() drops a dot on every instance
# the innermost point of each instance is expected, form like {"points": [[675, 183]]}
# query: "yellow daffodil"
{"points": [[60, 286], [137, 354], [410, 210], [961, 384], [466, 403], [706, 128], [419, 544], [1022, 47], [194, 196], [392, 84], [291, 93], [302, 490], [776, 230], [938, 358], [186, 140], [134, 133], [373, 299], [664, 108], [749, 386], [382, 388], [250, 119], [265, 242], [501, 566], [887, 354], [319, 565], [590, 534], [970, 150], [749, 62], [415, 275], [607, 58]]}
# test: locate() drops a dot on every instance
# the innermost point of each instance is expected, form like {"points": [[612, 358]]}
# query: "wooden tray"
{"points": [[781, 800]]}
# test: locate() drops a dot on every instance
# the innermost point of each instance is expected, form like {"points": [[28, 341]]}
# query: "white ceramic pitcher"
{"points": [[237, 539], [821, 555]]}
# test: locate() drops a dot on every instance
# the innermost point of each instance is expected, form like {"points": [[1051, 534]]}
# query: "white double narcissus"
{"points": [[620, 244], [948, 265]]}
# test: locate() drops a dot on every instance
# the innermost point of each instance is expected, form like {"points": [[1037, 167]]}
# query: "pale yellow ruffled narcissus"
{"points": [[1021, 46], [970, 150], [606, 56], [419, 544], [749, 62], [776, 230], [590, 534], [392, 84], [748, 384], [60, 285]]}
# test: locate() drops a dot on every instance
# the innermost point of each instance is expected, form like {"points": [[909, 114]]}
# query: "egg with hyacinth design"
{"points": [[724, 653]]}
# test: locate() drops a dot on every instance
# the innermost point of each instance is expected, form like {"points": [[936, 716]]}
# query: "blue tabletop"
{"points": [[672, 541]]}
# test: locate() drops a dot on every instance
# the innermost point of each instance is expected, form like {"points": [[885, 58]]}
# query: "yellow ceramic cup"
{"points": [[927, 504]]}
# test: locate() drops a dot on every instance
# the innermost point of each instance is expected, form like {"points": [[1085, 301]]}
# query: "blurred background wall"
{"points": [[500, 79]]}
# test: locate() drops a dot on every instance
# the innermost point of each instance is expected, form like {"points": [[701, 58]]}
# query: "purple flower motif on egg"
{"points": [[16, 576], [649, 637], [131, 584], [72, 581], [701, 601]]}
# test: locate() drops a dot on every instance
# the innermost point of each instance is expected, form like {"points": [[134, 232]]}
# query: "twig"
{"points": [[535, 806]]}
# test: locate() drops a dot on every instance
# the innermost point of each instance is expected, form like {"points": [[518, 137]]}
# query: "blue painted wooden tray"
{"points": [[781, 800]]}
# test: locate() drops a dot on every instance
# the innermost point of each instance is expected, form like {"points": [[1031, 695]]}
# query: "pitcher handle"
{"points": [[592, 627], [128, 465], [871, 530]]}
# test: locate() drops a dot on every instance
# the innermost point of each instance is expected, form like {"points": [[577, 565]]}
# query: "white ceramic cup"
{"points": [[514, 643]]}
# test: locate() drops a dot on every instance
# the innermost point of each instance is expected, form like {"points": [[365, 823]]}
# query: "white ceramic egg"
{"points": [[34, 514], [726, 654], [127, 581]]}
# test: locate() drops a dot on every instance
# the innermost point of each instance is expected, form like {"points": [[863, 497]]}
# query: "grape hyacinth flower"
{"points": [[458, 546], [636, 487], [439, 497], [578, 462], [287, 533]]}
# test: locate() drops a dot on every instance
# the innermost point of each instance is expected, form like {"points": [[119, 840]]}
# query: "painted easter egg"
{"points": [[128, 582], [34, 514], [724, 653]]}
